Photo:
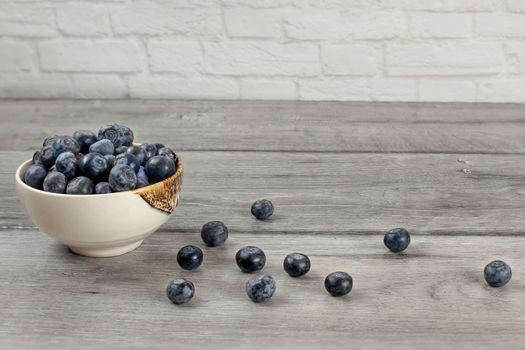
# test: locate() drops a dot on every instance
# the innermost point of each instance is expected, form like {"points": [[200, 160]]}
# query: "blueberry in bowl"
{"points": [[98, 204]]}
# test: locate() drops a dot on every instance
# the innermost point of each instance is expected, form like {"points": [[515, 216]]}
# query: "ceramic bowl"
{"points": [[101, 225]]}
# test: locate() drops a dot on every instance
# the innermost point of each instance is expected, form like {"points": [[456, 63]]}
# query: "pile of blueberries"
{"points": [[261, 288], [89, 163]]}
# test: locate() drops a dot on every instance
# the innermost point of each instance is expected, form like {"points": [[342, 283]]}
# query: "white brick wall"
{"points": [[370, 50]]}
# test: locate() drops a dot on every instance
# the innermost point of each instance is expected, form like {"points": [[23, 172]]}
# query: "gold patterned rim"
{"points": [[164, 195]]}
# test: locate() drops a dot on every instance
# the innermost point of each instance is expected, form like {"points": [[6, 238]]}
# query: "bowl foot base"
{"points": [[106, 252]]}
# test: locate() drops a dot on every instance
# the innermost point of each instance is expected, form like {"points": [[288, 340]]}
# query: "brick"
{"points": [[262, 58], [83, 20], [35, 86], [500, 24], [335, 89], [442, 58], [447, 90], [502, 91], [516, 5], [353, 59], [516, 57], [378, 24], [175, 87], [91, 56], [393, 90], [154, 18], [27, 21], [16, 56], [440, 25], [441, 5], [256, 23], [258, 89], [99, 86], [175, 56], [258, 3]]}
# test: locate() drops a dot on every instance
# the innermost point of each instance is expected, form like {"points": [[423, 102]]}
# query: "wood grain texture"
{"points": [[434, 296], [278, 126], [334, 193]]}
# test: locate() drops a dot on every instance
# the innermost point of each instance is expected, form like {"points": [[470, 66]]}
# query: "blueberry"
{"points": [[103, 147], [260, 288], [48, 156], [55, 182], [111, 159], [497, 273], [262, 209], [122, 178], [65, 144], [85, 139], [296, 264], [128, 159], [125, 137], [338, 283], [159, 145], [121, 149], [142, 178], [150, 149], [48, 141], [93, 165], [80, 185], [250, 259], [37, 158], [138, 152], [159, 168], [109, 132], [103, 188], [165, 151], [397, 240], [214, 233], [34, 176], [189, 257], [66, 163], [180, 291]]}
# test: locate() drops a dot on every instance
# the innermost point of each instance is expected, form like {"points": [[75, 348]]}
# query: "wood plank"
{"points": [[433, 296], [277, 126], [335, 193]]}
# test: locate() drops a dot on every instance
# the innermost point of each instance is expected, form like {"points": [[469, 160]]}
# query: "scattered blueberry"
{"points": [[338, 283], [55, 182], [80, 185], [103, 188], [142, 178], [296, 264], [190, 257], [150, 149], [48, 156], [103, 147], [128, 159], [110, 132], [497, 273], [180, 291], [65, 144], [93, 165], [85, 139], [214, 233], [250, 259], [397, 240], [125, 137], [121, 149], [159, 168], [35, 175], [66, 163], [262, 209], [111, 159], [165, 151], [138, 152], [122, 178], [260, 288]]}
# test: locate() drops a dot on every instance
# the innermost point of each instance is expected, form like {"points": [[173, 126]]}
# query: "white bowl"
{"points": [[101, 225]]}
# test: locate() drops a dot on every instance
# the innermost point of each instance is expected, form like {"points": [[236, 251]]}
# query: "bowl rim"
{"points": [[21, 183]]}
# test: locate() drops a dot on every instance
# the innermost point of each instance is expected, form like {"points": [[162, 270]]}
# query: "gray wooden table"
{"points": [[339, 174]]}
